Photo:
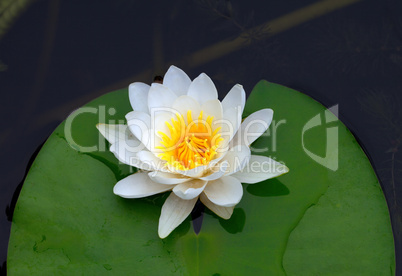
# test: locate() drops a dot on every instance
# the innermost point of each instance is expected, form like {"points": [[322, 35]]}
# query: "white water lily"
{"points": [[184, 140]]}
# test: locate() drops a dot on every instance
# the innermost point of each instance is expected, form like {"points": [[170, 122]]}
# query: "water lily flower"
{"points": [[184, 140]]}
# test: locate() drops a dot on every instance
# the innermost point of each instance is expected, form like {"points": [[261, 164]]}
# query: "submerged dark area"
{"points": [[57, 55]]}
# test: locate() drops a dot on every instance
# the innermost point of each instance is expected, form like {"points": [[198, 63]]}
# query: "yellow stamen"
{"points": [[190, 144]]}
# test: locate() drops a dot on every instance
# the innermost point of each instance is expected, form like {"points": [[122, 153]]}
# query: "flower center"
{"points": [[190, 144]]}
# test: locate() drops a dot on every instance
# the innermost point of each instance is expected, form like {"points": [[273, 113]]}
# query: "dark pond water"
{"points": [[57, 55]]}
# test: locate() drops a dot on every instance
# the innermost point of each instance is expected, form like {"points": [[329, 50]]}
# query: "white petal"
{"points": [[139, 124], [212, 108], [126, 151], [139, 185], [160, 121], [114, 133], [253, 126], [150, 161], [190, 189], [226, 191], [260, 168], [202, 89], [223, 212], [235, 159], [216, 172], [138, 95], [177, 81], [194, 173], [235, 98], [174, 211], [230, 124], [160, 124], [160, 97], [185, 103], [167, 178]]}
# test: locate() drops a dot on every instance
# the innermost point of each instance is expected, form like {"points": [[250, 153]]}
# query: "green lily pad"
{"points": [[326, 216]]}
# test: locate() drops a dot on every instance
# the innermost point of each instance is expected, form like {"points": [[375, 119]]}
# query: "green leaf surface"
{"points": [[311, 221]]}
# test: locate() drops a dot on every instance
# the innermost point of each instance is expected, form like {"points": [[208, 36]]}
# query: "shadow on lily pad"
{"points": [[270, 187], [236, 222]]}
